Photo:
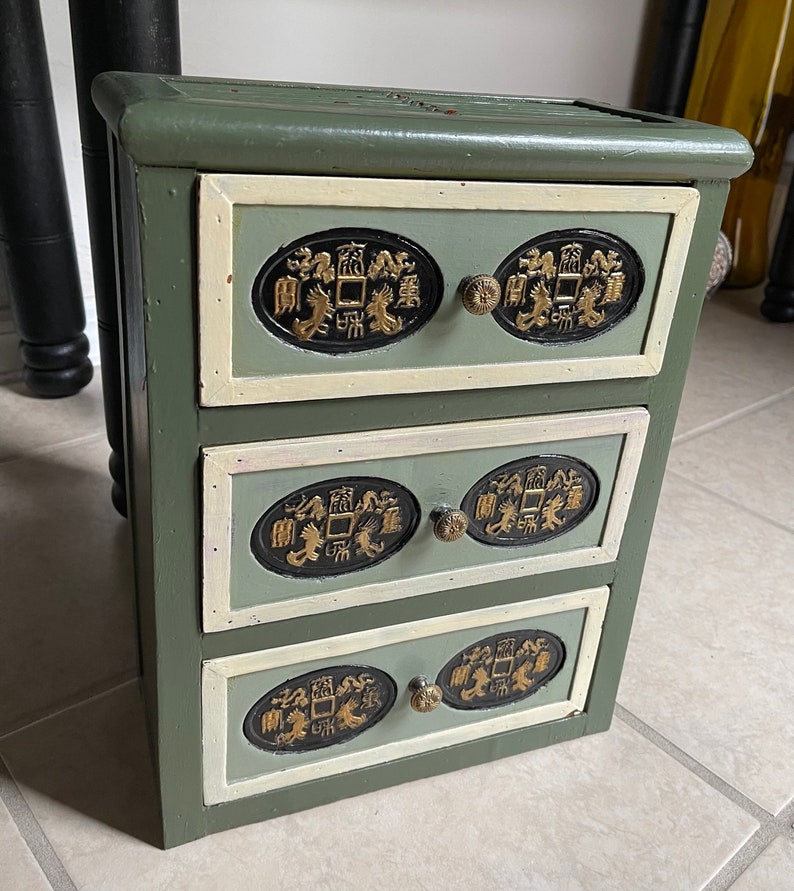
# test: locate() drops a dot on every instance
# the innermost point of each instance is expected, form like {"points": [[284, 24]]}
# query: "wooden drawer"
{"points": [[280, 717], [305, 526], [326, 288]]}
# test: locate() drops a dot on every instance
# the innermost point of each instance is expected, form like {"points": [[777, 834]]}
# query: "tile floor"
{"points": [[692, 788]]}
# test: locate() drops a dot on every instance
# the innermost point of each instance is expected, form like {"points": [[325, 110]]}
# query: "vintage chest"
{"points": [[401, 374]]}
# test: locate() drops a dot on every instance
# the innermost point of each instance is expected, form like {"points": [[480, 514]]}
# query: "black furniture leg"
{"points": [[778, 303], [676, 53], [36, 238], [128, 35]]}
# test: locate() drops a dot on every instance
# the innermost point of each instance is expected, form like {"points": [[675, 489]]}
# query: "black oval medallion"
{"points": [[320, 708], [335, 526], [568, 286], [530, 500], [347, 290], [501, 669]]}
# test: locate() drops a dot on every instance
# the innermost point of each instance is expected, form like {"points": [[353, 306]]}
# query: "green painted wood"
{"points": [[463, 243], [165, 430], [402, 662], [440, 478], [310, 129]]}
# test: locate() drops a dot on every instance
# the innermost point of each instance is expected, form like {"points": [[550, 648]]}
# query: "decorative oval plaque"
{"points": [[501, 669], [347, 290], [334, 527], [568, 286], [320, 708], [530, 500]]}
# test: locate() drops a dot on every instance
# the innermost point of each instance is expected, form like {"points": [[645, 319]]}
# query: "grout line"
{"points": [[53, 447], [83, 700], [732, 416], [32, 833], [694, 766], [770, 826], [748, 510]]}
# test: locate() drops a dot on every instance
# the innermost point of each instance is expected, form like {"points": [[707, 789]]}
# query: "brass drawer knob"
{"points": [[449, 523], [424, 696], [481, 294]]}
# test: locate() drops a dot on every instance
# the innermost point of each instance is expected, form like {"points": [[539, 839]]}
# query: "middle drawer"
{"points": [[304, 526]]}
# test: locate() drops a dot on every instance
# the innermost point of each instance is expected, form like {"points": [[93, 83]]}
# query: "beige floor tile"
{"points": [[67, 626], [710, 663], [712, 394], [610, 811], [773, 870], [18, 868], [749, 460], [734, 337], [31, 423]]}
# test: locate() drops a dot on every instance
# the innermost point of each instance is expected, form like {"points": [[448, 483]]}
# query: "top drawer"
{"points": [[325, 287]]}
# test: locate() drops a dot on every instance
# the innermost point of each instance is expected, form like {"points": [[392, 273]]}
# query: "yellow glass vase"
{"points": [[744, 78]]}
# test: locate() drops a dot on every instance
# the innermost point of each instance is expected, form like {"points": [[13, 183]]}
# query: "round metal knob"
{"points": [[481, 294], [424, 696], [449, 524]]}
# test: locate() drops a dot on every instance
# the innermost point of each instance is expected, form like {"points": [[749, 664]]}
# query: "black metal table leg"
{"points": [[778, 303], [128, 35], [36, 238]]}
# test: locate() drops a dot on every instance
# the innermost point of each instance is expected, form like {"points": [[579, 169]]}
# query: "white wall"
{"points": [[529, 47]]}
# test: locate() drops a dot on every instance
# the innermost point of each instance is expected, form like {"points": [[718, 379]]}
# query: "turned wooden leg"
{"points": [[36, 238]]}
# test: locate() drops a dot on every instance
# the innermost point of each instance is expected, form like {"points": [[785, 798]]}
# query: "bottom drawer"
{"points": [[283, 716]]}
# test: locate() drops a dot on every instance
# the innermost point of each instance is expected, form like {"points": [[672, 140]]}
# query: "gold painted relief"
{"points": [[568, 286], [338, 294], [530, 500], [320, 709], [501, 669], [334, 527]]}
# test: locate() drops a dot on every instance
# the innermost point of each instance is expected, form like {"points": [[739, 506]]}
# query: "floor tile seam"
{"points": [[52, 447], [32, 833], [732, 416], [708, 776], [730, 871], [77, 703], [748, 510]]}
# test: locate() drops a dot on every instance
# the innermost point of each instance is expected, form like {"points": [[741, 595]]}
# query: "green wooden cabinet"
{"points": [[401, 374]]}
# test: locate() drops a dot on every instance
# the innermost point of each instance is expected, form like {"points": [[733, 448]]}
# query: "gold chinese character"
{"points": [[285, 296], [515, 289], [313, 541], [351, 280], [528, 523], [499, 687], [345, 717], [590, 316], [550, 519], [382, 319], [485, 506], [459, 676], [409, 292], [306, 262], [282, 533], [542, 662], [574, 501], [339, 550], [351, 323], [323, 699], [481, 682], [271, 720], [509, 511], [392, 266], [363, 539], [298, 723], [320, 302], [324, 727], [370, 698], [538, 316], [504, 657], [614, 289], [391, 521]]}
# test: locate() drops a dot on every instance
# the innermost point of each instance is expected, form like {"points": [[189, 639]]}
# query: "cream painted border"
{"points": [[219, 193], [221, 463], [217, 673]]}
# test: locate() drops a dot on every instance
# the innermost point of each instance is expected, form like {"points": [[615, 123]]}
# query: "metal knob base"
{"points": [[449, 523], [425, 697], [481, 294]]}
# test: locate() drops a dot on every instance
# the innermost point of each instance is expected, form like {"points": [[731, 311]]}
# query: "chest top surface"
{"points": [[344, 130]]}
